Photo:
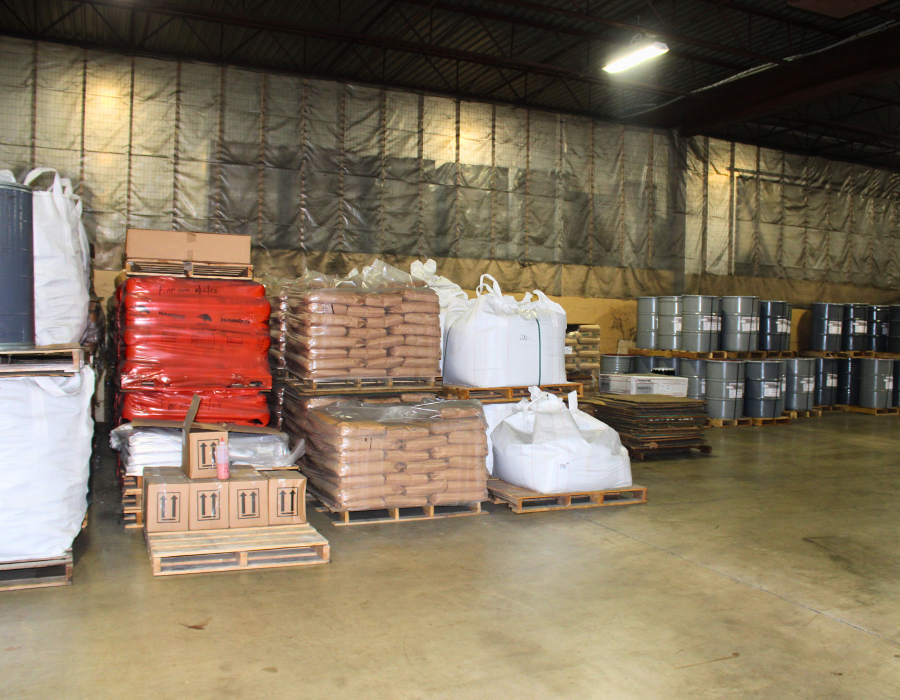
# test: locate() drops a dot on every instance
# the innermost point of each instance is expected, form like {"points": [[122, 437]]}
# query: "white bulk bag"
{"points": [[498, 341], [495, 414], [452, 298], [45, 440], [61, 263], [553, 448]]}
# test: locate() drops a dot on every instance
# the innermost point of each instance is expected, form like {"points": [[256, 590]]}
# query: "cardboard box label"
{"points": [[249, 503], [208, 504], [169, 507], [287, 502]]}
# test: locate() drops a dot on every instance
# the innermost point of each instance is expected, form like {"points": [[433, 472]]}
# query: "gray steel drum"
{"points": [[646, 335], [825, 392], [878, 328], [724, 388], [695, 371], [800, 376], [715, 340], [643, 365], [738, 322], [669, 319], [698, 323], [894, 337], [616, 364], [826, 325], [764, 386], [16, 267], [754, 326], [665, 363], [848, 382], [855, 327], [876, 383]]}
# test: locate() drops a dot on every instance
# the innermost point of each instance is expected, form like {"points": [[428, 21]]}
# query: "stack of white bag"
{"points": [[144, 447], [494, 340], [45, 440], [549, 447]]}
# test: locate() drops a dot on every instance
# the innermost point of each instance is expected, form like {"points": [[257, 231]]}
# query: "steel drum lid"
{"points": [[647, 305]]}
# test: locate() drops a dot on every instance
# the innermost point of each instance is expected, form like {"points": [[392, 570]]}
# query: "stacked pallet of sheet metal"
{"points": [[651, 424]]}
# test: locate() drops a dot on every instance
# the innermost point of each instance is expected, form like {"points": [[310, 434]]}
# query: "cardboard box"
{"points": [[201, 452], [166, 495], [142, 244], [248, 499], [208, 505], [643, 384], [287, 497]]}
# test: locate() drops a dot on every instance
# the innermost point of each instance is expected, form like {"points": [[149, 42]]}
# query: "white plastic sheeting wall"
{"points": [[311, 165]]}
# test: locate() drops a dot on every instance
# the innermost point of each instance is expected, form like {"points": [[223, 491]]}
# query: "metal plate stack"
{"points": [[800, 376], [738, 323], [699, 323], [855, 327], [764, 385], [775, 325], [724, 389], [825, 329], [616, 364], [876, 383], [826, 376], [647, 322], [669, 334], [878, 321]]}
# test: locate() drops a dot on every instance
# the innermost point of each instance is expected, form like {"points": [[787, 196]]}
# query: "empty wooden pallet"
{"points": [[45, 361], [236, 550], [37, 573], [507, 394], [522, 500]]}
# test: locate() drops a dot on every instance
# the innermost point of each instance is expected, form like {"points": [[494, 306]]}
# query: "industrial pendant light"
{"points": [[638, 53]]}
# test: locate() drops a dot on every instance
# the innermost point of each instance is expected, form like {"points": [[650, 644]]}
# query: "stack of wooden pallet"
{"points": [[652, 424]]}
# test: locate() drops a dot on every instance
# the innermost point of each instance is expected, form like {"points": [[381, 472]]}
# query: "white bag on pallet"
{"points": [[452, 298], [498, 341], [61, 262], [549, 447], [45, 440]]}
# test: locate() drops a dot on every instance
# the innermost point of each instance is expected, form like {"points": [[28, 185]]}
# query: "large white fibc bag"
{"points": [[45, 441], [498, 341], [452, 298], [61, 262], [553, 448], [495, 414]]}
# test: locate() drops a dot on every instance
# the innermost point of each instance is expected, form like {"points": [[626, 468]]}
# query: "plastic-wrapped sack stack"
{"points": [[583, 350], [177, 337], [549, 447], [361, 328], [363, 456], [144, 447]]}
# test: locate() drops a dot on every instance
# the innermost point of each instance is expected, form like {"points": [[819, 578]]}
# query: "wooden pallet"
{"points": [[52, 360], [826, 409], [522, 500], [764, 422], [186, 268], [241, 549], [746, 355], [842, 354], [507, 394], [869, 411], [37, 573], [815, 413], [134, 520], [781, 354], [729, 422], [363, 386], [641, 454], [392, 515]]}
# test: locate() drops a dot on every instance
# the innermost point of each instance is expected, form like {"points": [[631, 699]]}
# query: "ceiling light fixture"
{"points": [[638, 54]]}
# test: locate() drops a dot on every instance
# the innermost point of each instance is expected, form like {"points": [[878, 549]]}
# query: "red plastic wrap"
{"points": [[188, 334], [242, 407]]}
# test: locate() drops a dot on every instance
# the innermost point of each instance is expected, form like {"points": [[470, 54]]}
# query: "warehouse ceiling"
{"points": [[812, 76]]}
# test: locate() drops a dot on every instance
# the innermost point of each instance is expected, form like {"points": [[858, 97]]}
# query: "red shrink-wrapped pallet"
{"points": [[187, 334], [238, 406]]}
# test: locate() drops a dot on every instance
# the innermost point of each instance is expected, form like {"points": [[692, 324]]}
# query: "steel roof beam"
{"points": [[836, 71]]}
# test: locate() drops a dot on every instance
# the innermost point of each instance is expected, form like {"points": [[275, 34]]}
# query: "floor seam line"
{"points": [[741, 581]]}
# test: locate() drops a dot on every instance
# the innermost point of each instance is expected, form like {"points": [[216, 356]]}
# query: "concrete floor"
{"points": [[769, 570]]}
